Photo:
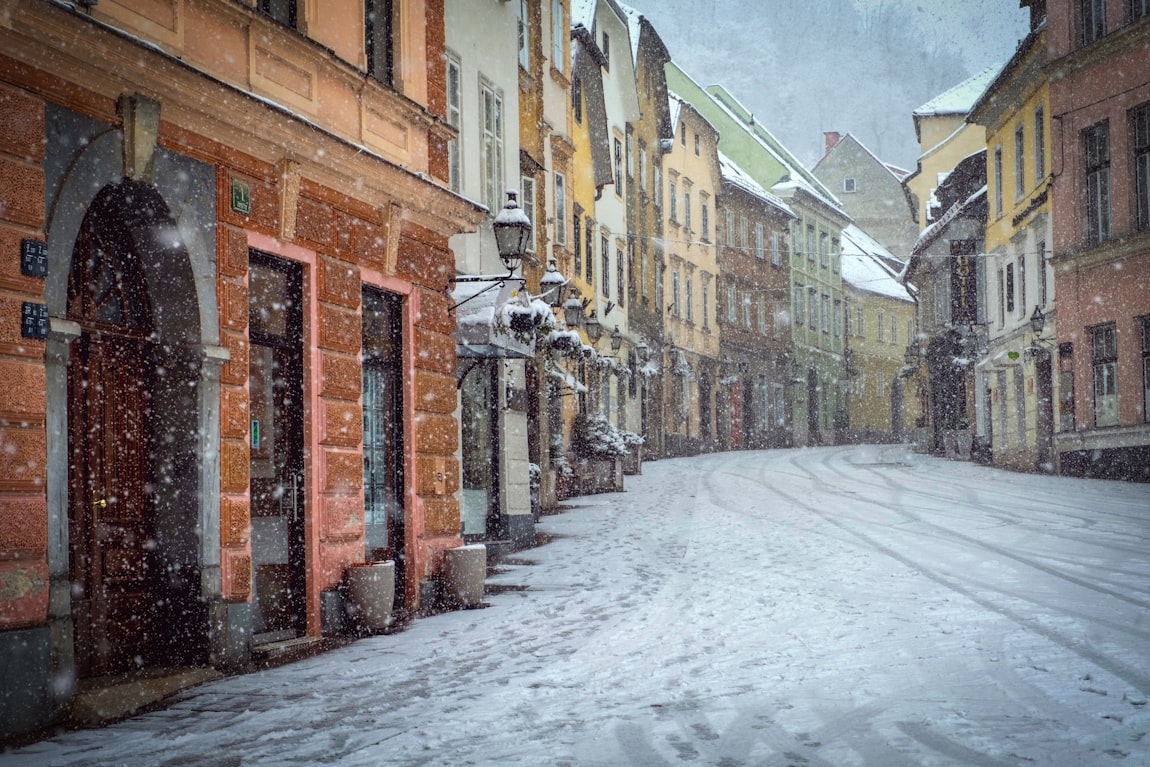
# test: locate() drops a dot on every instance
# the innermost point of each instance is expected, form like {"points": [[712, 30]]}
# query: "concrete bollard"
{"points": [[464, 573]]}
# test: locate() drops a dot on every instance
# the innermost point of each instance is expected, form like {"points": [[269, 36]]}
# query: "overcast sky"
{"points": [[859, 66]]}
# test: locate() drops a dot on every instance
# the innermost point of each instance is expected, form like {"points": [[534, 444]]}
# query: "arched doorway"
{"points": [[130, 505]]}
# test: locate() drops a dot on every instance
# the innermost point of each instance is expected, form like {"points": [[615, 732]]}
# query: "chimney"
{"points": [[830, 139]]}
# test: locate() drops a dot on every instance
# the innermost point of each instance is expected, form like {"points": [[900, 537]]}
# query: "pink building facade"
{"points": [[1100, 103]]}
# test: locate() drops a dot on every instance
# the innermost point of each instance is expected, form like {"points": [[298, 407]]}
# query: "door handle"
{"points": [[98, 504]]}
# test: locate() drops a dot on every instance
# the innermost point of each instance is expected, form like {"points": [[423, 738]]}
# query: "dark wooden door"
{"points": [[110, 523]]}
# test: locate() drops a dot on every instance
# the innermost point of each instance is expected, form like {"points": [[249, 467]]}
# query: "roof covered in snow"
{"points": [[583, 12], [863, 266], [959, 99], [735, 175]]}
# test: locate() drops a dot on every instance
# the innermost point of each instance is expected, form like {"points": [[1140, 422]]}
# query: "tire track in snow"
{"points": [[1131, 676], [947, 533]]}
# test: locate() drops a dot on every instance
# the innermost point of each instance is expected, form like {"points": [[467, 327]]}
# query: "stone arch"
{"points": [[176, 247]]}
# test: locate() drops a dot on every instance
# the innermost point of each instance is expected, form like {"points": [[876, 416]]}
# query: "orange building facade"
{"points": [[225, 334]]}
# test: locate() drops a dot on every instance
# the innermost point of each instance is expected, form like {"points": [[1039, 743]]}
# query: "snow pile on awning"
{"points": [[484, 309]]}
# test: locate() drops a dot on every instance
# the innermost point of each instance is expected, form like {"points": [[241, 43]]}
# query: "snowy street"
{"points": [[832, 606]]}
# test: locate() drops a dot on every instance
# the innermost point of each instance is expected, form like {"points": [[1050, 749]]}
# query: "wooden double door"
{"points": [[113, 558]]}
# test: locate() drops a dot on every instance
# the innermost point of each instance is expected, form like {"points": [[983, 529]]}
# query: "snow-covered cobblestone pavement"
{"points": [[832, 606]]}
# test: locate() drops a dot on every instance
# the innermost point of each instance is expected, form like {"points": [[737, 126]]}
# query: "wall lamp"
{"points": [[616, 339], [1037, 323], [512, 233]]}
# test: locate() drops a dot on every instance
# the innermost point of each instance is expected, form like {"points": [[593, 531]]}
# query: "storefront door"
{"points": [[277, 493], [383, 432]]}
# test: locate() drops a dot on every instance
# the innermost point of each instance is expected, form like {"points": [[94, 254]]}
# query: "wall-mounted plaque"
{"points": [[241, 197], [33, 258], [34, 320]]}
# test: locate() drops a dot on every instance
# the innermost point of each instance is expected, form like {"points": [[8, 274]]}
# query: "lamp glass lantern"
{"points": [[512, 230], [616, 339], [644, 351], [594, 328], [573, 312], [554, 285], [1037, 321]]}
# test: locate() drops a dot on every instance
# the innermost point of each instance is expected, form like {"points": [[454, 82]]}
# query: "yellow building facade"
{"points": [[691, 182], [1016, 379], [945, 137]]}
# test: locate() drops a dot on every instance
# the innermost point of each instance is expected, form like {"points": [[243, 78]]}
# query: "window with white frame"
{"points": [[676, 308], [730, 234], [1022, 304], [630, 156], [1039, 145], [618, 167], [824, 250], [1019, 162], [523, 27], [860, 322], [998, 181], [455, 120], [620, 278], [642, 166], [704, 219], [1140, 118], [760, 241], [1104, 343], [881, 337], [835, 318], [1144, 328], [732, 304], [1010, 288], [491, 161], [657, 184], [673, 195], [761, 311], [527, 203], [706, 296], [826, 313], [776, 250], [746, 310], [559, 33], [797, 301], [744, 233], [1092, 20], [1097, 146], [690, 298], [605, 266], [687, 209], [560, 211]]}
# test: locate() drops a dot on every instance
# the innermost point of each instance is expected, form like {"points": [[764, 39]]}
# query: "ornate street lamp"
{"points": [[512, 230], [1037, 321], [616, 339], [554, 285], [644, 351], [573, 312], [594, 328]]}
